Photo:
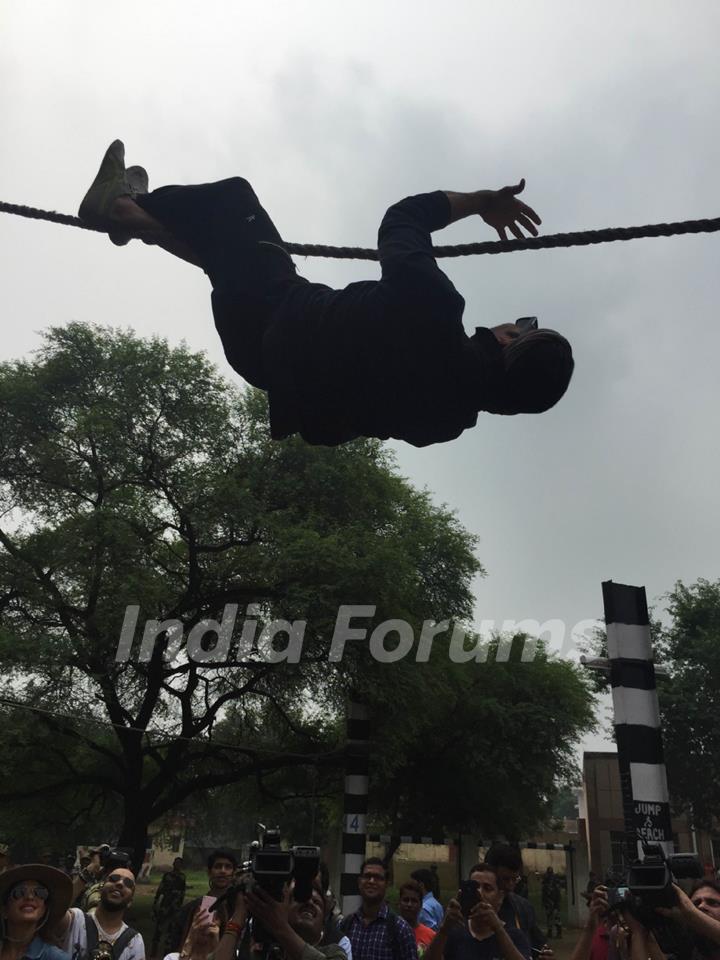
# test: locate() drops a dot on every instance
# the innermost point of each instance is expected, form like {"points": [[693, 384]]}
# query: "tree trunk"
{"points": [[133, 836]]}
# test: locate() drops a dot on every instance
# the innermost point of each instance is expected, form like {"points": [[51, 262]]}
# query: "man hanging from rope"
{"points": [[379, 358]]}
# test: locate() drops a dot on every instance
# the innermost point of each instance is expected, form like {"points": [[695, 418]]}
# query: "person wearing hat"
{"points": [[380, 358], [34, 899]]}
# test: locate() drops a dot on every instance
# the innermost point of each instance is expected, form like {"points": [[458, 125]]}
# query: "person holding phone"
{"points": [[221, 867], [471, 928], [202, 940], [516, 910], [380, 358]]}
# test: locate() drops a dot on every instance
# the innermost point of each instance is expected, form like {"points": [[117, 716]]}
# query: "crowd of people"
{"points": [[49, 915]]}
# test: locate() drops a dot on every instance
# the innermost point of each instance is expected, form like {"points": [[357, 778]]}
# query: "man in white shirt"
{"points": [[102, 932]]}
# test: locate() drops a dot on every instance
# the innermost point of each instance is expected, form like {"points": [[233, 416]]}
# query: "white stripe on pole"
{"points": [[353, 862], [637, 707], [356, 784], [649, 782], [630, 641]]}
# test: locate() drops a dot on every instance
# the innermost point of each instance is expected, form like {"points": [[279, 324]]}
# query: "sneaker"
{"points": [[109, 184], [137, 182]]}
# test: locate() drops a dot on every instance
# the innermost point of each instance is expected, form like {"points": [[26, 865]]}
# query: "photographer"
{"points": [[101, 933], [699, 914], [484, 936], [295, 928]]}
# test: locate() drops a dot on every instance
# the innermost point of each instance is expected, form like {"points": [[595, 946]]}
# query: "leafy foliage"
{"points": [[481, 745], [131, 474], [690, 698]]}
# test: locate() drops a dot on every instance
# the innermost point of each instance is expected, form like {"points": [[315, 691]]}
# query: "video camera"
{"points": [[649, 884], [111, 859], [270, 868]]}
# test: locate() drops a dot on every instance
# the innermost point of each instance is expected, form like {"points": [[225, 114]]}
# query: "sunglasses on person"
{"points": [[118, 878], [21, 891]]}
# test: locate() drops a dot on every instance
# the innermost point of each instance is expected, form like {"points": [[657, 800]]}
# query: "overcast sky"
{"points": [[336, 109]]}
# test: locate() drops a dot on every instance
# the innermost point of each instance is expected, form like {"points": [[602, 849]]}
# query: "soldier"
{"points": [[166, 906]]}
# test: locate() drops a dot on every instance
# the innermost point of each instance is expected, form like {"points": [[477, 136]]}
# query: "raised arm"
{"points": [[453, 918], [499, 208]]}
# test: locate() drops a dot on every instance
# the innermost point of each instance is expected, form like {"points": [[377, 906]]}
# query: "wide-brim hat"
{"points": [[58, 883]]}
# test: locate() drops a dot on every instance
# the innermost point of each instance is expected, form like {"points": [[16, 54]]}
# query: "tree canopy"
{"points": [[690, 697], [138, 487], [133, 476]]}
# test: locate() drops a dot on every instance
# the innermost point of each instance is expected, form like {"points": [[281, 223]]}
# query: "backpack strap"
{"points": [[92, 936], [122, 941]]}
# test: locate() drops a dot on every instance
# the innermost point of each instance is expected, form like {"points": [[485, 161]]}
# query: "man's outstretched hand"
{"points": [[499, 208], [503, 211]]}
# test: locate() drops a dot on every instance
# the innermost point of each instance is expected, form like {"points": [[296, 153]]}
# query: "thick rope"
{"points": [[577, 239]]}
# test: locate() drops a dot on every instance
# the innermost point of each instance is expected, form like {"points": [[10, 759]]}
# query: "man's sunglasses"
{"points": [[21, 891], [118, 878]]}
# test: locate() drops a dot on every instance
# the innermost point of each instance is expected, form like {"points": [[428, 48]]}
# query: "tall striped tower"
{"points": [[643, 780], [354, 806]]}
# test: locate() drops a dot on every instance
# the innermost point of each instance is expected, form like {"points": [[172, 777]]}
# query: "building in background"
{"points": [[601, 810]]}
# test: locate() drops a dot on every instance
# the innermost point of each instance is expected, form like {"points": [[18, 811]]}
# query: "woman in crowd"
{"points": [[34, 898]]}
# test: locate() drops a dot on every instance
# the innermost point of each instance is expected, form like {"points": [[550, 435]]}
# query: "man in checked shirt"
{"points": [[375, 932]]}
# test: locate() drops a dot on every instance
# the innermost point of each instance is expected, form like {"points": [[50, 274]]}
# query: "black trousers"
{"points": [[225, 226]]}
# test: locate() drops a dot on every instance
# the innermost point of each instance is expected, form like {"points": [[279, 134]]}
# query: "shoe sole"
{"points": [[137, 179]]}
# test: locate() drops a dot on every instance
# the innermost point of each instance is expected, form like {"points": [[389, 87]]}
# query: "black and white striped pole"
{"points": [[643, 780], [355, 805]]}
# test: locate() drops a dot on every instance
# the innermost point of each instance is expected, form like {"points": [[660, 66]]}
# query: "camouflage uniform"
{"points": [[168, 901]]}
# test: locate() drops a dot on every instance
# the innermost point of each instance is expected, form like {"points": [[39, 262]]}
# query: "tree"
{"points": [[482, 746], [133, 477], [690, 697]]}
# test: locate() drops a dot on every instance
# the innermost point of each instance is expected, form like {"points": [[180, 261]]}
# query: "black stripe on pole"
{"points": [[355, 803], [348, 885], [353, 843], [625, 604], [639, 744], [357, 729], [636, 674], [357, 764]]}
